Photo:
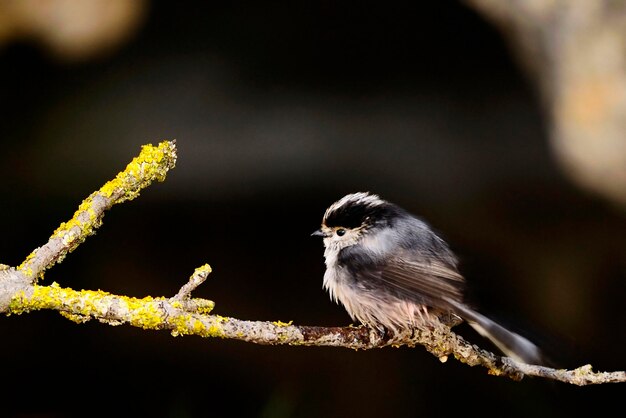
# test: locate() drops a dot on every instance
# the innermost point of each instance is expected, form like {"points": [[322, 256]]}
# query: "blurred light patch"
{"points": [[71, 30]]}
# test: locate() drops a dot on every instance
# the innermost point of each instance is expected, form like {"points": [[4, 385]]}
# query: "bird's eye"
{"points": [[341, 232]]}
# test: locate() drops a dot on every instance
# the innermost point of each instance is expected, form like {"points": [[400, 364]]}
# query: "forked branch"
{"points": [[184, 315]]}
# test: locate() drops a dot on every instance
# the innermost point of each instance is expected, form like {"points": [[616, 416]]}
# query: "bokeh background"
{"points": [[278, 110]]}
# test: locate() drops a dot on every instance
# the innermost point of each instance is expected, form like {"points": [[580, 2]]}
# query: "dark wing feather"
{"points": [[407, 275], [427, 281]]}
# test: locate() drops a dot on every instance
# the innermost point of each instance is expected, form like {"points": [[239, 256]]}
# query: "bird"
{"points": [[391, 271]]}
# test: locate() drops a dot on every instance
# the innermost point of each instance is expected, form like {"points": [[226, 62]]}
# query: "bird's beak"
{"points": [[318, 233]]}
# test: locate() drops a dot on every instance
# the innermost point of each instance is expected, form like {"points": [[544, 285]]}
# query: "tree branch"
{"points": [[184, 315], [151, 164]]}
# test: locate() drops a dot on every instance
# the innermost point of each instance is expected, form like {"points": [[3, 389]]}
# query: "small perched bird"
{"points": [[391, 271]]}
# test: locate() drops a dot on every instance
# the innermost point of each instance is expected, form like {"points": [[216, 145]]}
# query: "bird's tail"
{"points": [[511, 344]]}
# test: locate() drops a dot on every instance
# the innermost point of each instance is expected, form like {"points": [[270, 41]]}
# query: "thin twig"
{"points": [[197, 278]]}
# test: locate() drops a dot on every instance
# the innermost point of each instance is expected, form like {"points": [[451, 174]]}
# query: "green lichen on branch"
{"points": [[152, 163]]}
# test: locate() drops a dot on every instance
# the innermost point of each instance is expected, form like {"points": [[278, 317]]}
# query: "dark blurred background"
{"points": [[279, 109]]}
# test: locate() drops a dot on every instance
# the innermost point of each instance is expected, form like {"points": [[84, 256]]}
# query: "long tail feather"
{"points": [[511, 344]]}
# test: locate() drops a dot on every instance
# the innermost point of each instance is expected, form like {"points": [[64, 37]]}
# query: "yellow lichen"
{"points": [[198, 327], [493, 371], [203, 270], [79, 319], [16, 304], [142, 313], [147, 313], [180, 325], [216, 330], [198, 305], [24, 267], [208, 327], [282, 324], [203, 306], [151, 164]]}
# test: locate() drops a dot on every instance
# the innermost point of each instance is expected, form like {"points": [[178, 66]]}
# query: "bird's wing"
{"points": [[407, 274], [426, 280]]}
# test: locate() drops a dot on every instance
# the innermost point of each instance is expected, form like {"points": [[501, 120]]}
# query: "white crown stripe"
{"points": [[360, 198]]}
